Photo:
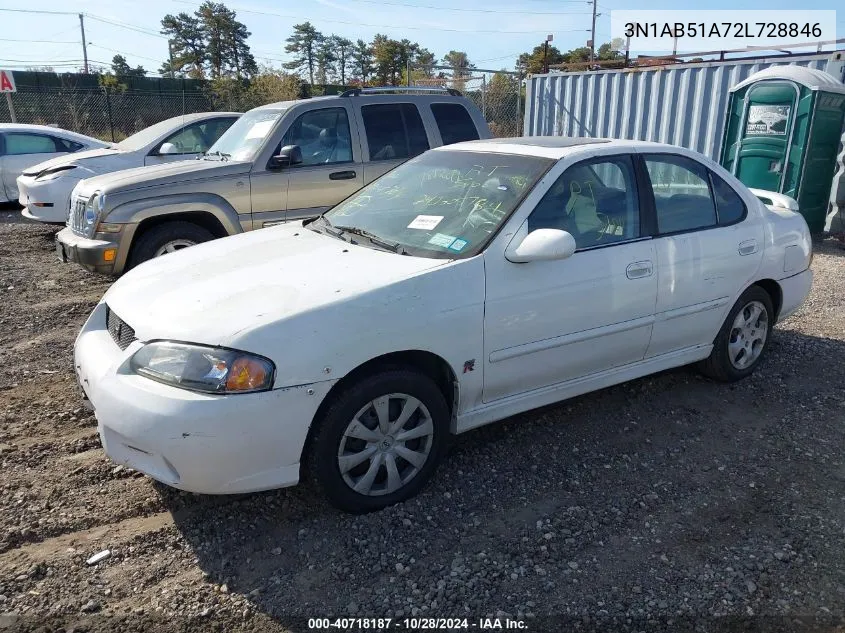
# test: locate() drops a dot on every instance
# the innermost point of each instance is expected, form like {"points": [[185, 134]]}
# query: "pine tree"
{"points": [[304, 43]]}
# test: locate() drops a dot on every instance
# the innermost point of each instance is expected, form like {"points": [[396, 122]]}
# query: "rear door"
{"points": [[454, 123], [391, 134], [708, 250]]}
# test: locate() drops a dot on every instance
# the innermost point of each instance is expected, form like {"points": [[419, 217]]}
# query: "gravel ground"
{"points": [[669, 503]]}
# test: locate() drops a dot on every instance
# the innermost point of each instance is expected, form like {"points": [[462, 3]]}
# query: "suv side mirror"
{"points": [[542, 245], [288, 156], [168, 148]]}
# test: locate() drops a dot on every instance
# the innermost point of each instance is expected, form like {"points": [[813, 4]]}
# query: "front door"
{"points": [[331, 169], [554, 321]]}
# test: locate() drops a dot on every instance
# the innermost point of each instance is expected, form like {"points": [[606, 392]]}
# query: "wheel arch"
{"points": [[427, 363], [775, 293]]}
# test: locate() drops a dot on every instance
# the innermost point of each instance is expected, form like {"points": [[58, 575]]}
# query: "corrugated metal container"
{"points": [[682, 105]]}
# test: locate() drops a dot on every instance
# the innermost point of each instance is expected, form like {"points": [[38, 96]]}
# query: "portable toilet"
{"points": [[782, 135]]}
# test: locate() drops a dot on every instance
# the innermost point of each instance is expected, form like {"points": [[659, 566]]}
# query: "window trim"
{"points": [[711, 174], [639, 191], [280, 144], [399, 106], [653, 205]]}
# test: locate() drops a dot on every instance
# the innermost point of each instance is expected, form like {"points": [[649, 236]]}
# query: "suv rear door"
{"points": [[391, 133]]}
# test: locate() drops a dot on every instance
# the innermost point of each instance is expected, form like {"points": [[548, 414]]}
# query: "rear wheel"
{"points": [[743, 339], [167, 238], [379, 441]]}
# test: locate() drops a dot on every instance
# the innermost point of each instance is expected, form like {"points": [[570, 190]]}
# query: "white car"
{"points": [[469, 284], [44, 189], [22, 146]]}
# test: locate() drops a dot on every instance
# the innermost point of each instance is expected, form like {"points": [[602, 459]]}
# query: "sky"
{"points": [[492, 32]]}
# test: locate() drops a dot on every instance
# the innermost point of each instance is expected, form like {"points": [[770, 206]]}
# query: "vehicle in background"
{"points": [[280, 162], [22, 146], [470, 284], [44, 189]]}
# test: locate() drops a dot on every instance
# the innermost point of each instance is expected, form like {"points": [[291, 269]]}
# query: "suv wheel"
{"points": [[167, 238], [379, 441]]}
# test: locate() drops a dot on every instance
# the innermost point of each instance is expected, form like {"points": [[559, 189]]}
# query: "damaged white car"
{"points": [[473, 282]]}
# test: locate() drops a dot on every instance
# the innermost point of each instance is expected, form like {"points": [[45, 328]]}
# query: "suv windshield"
{"points": [[440, 204], [245, 138]]}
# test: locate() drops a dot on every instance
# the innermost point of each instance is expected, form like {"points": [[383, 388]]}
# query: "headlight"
{"points": [[200, 368], [91, 210]]}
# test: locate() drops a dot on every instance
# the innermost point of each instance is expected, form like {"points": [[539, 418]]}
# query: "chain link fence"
{"points": [[104, 113], [498, 94]]}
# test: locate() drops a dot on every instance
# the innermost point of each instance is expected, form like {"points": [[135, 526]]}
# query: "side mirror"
{"points": [[288, 156], [541, 245], [168, 148]]}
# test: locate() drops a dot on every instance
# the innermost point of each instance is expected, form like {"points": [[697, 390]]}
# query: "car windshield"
{"points": [[440, 204], [146, 136], [246, 137]]}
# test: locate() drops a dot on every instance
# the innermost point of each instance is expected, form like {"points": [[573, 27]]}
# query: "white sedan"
{"points": [[44, 189], [473, 282], [22, 146]]}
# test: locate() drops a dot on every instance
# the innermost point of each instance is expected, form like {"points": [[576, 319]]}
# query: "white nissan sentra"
{"points": [[469, 284]]}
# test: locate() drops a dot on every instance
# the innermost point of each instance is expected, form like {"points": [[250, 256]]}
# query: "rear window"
{"points": [[454, 122]]}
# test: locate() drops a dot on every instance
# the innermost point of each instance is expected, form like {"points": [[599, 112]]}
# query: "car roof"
{"points": [[390, 97], [45, 129], [553, 146], [196, 116]]}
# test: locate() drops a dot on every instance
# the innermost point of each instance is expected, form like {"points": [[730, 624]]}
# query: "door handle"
{"points": [[748, 247], [342, 175], [636, 270]]}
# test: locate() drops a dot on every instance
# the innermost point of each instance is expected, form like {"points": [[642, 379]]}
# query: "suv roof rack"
{"points": [[354, 92]]}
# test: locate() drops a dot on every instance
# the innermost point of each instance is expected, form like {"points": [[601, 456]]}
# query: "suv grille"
{"points": [[76, 216], [120, 331]]}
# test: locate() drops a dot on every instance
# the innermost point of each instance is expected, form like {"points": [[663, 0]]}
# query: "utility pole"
{"points": [[84, 43], [170, 57], [549, 38], [593, 34]]}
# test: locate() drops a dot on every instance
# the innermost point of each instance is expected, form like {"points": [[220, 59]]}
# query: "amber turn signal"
{"points": [[246, 374]]}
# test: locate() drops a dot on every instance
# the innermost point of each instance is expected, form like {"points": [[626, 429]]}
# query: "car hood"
{"points": [[212, 292], [164, 174], [86, 158]]}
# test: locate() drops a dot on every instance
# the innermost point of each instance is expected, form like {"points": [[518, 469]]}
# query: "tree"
{"points": [[533, 62], [362, 59], [326, 59], [343, 57], [304, 43], [121, 68], [461, 67], [187, 42]]}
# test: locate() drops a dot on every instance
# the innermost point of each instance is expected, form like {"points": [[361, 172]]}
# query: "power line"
{"points": [[123, 25], [388, 26], [3, 39], [114, 50], [42, 11], [442, 8]]}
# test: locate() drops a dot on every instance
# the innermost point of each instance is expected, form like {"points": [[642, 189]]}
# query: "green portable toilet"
{"points": [[782, 135]]}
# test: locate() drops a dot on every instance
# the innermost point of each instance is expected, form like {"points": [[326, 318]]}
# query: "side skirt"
{"points": [[505, 407]]}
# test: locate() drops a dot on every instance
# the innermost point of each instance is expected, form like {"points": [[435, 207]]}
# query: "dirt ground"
{"points": [[670, 503]]}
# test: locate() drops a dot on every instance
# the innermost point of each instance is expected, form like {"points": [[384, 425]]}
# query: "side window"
{"points": [[454, 122], [17, 144], [729, 206], [596, 201], [66, 145], [394, 130], [323, 135], [191, 139], [682, 196]]}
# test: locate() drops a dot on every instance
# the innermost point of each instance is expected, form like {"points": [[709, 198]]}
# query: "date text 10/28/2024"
{"points": [[416, 624]]}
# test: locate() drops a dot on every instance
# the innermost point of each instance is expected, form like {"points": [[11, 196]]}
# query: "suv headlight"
{"points": [[94, 208], [201, 368]]}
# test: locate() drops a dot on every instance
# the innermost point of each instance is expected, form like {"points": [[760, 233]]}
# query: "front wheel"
{"points": [[165, 238], [379, 441], [743, 339]]}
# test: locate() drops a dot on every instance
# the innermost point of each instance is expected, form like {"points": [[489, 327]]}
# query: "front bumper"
{"points": [[97, 255], [44, 201], [192, 441]]}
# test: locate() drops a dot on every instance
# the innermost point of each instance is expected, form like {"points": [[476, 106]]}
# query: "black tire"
{"points": [[321, 460], [718, 365], [150, 241]]}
